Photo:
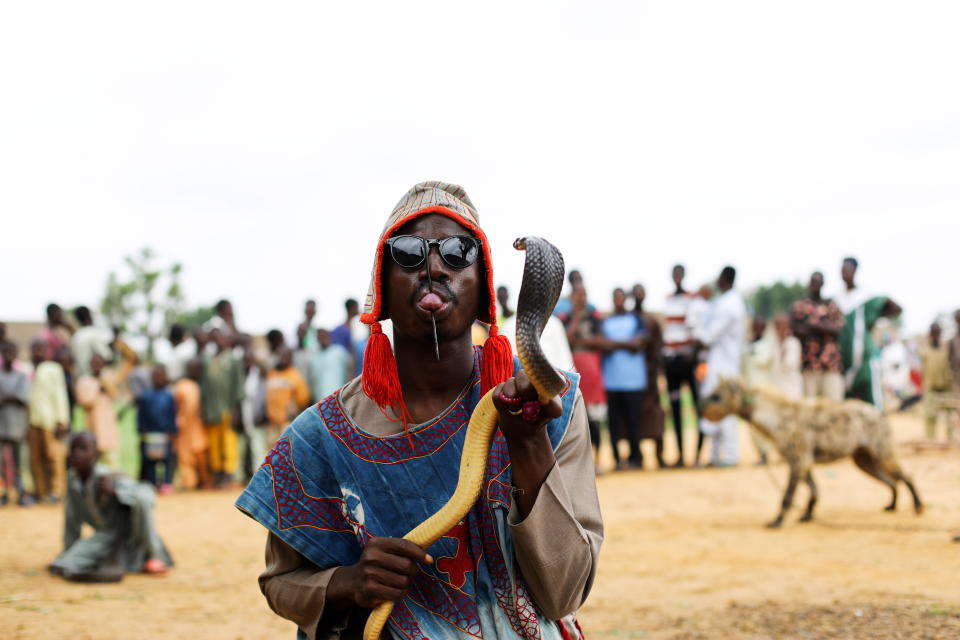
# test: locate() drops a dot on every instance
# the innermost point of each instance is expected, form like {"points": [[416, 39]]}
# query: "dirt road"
{"points": [[686, 556]]}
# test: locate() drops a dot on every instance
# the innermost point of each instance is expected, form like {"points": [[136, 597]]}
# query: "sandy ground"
{"points": [[686, 556]]}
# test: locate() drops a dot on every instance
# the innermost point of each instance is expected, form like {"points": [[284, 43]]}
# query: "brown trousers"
{"points": [[48, 460]]}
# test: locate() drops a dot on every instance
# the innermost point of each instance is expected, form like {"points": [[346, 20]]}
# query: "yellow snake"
{"points": [[539, 290]]}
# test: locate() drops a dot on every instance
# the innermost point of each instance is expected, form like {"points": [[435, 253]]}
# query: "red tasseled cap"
{"points": [[379, 377]]}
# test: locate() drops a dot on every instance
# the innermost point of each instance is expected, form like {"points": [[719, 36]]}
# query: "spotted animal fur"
{"points": [[806, 431]]}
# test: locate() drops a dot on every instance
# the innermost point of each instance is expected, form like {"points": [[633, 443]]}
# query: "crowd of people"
{"points": [[818, 348], [215, 399]]}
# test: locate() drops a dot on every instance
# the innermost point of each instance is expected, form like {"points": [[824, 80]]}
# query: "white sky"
{"points": [[264, 144]]}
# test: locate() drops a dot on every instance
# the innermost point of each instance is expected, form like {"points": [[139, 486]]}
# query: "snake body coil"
{"points": [[539, 290]]}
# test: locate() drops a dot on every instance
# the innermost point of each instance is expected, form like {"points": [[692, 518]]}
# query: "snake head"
{"points": [[520, 244]]}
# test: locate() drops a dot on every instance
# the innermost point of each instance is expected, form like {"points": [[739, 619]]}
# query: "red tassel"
{"points": [[497, 362], [379, 378]]}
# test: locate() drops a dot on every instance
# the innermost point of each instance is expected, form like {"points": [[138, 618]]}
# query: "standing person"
{"points": [[503, 299], [787, 361], [182, 350], [275, 342], [553, 340], [937, 384], [680, 361], [954, 352], [330, 367], [48, 413], [758, 364], [14, 391], [624, 377], [287, 395], [56, 332], [385, 453], [722, 333], [120, 512], [817, 322], [221, 389], [341, 335], [97, 393], [584, 331], [565, 305], [651, 413], [861, 362], [223, 319], [191, 441], [252, 409], [157, 426], [308, 325], [88, 340]]}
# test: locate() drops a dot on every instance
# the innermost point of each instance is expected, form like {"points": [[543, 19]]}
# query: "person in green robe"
{"points": [[861, 357], [125, 538]]}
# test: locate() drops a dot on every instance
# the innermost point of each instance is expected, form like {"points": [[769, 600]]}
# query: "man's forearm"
{"points": [[531, 460]]}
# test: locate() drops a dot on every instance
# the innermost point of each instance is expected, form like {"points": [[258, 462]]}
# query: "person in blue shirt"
{"points": [[157, 425], [624, 377]]}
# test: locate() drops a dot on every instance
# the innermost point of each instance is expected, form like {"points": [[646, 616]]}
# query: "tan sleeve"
{"points": [[296, 589], [558, 543]]}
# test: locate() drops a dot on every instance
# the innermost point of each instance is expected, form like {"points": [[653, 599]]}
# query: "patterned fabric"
{"points": [[821, 353], [327, 486]]}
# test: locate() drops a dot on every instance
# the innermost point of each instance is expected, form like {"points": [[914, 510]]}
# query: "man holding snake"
{"points": [[354, 473]]}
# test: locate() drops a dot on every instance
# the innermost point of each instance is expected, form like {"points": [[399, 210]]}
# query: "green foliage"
{"points": [[197, 317], [770, 300], [145, 299]]}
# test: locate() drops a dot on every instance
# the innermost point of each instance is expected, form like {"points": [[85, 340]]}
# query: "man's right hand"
{"points": [[384, 572]]}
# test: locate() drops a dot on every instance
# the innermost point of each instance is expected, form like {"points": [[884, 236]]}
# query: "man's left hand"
{"points": [[522, 415]]}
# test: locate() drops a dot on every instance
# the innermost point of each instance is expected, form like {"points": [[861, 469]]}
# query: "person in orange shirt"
{"points": [[191, 442], [287, 395]]}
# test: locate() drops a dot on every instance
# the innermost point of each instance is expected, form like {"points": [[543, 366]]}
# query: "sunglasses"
{"points": [[411, 251]]}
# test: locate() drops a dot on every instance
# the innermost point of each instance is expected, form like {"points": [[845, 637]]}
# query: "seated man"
{"points": [[121, 514]]}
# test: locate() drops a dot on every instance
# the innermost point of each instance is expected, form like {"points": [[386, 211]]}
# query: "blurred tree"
{"points": [[770, 300], [146, 299], [192, 319]]}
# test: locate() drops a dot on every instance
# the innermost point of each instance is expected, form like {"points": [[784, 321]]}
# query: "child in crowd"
{"points": [[287, 395], [157, 425], [125, 539], [14, 388], [191, 441]]}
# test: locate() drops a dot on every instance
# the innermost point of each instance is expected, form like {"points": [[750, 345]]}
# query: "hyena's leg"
{"points": [[808, 514], [870, 465], [892, 467], [796, 473]]}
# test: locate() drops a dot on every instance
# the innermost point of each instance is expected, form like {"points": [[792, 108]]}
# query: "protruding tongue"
{"points": [[431, 302]]}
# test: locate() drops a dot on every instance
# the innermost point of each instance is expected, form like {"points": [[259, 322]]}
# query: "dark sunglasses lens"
{"points": [[459, 251], [407, 251]]}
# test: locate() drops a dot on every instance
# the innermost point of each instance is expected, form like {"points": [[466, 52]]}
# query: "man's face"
{"points": [[460, 290], [503, 296], [8, 353], [677, 275], [310, 309], [83, 455], [816, 284], [38, 350], [323, 338], [935, 332], [848, 271], [639, 293], [619, 298]]}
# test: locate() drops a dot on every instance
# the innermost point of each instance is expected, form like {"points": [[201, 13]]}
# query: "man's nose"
{"points": [[438, 268]]}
